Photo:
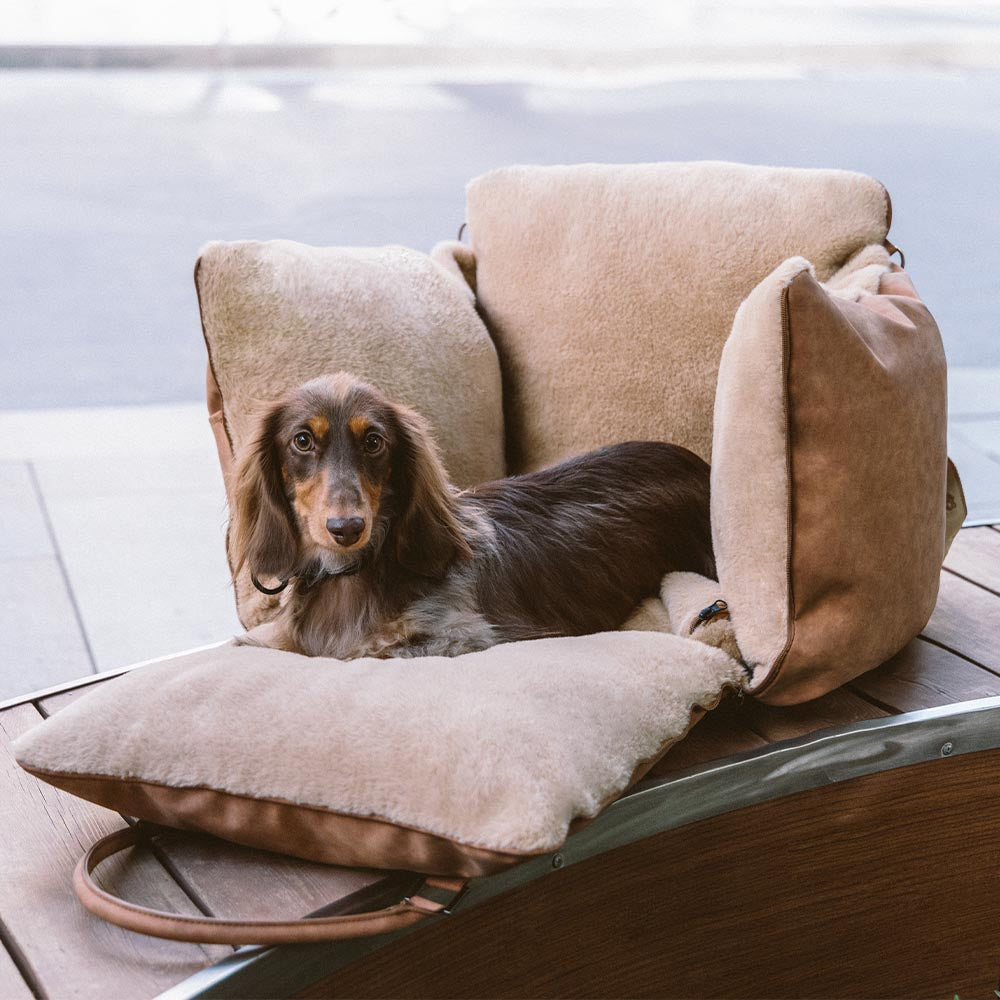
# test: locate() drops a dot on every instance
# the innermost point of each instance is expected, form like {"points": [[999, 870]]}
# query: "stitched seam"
{"points": [[786, 357]]}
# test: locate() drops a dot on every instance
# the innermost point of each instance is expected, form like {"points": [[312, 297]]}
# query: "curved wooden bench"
{"points": [[845, 847]]}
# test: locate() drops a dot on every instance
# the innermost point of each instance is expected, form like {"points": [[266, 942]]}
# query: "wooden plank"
{"points": [[12, 984], [923, 675], [54, 702], [783, 722], [70, 952], [883, 886], [247, 884], [975, 554], [967, 621], [721, 733]]}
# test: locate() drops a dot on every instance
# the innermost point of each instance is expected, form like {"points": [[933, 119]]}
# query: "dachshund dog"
{"points": [[343, 502]]}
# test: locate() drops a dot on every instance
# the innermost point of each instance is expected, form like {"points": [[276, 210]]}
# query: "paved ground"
{"points": [[111, 552], [112, 181]]}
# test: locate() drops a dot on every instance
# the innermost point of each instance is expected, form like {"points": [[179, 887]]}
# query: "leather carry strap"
{"points": [[435, 895]]}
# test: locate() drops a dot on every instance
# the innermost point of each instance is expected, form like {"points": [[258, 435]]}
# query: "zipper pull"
{"points": [[717, 610]]}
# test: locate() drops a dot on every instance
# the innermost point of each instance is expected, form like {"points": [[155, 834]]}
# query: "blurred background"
{"points": [[133, 133]]}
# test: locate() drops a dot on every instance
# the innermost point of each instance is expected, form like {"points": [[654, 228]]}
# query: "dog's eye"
{"points": [[303, 441], [374, 443]]}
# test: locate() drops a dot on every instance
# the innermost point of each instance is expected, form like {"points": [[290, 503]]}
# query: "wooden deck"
{"points": [[50, 947]]}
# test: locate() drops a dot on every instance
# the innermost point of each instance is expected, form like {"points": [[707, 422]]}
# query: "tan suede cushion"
{"points": [[829, 473], [278, 314], [457, 766], [610, 289]]}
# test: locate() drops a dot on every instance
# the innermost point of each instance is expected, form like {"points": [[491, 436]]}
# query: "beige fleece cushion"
{"points": [[610, 289], [278, 314], [829, 473], [475, 761]]}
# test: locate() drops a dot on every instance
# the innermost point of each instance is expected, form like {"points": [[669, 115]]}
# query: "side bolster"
{"points": [[459, 260], [867, 438], [751, 498]]}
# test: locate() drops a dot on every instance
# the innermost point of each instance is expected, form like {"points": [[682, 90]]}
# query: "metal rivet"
{"points": [[557, 861], [947, 749]]}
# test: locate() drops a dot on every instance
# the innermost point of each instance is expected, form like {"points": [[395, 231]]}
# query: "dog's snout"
{"points": [[345, 530]]}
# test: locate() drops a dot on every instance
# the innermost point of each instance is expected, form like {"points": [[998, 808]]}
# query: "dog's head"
{"points": [[336, 471]]}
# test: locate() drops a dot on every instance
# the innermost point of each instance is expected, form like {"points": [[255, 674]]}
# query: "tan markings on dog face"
{"points": [[358, 426], [373, 491], [308, 504], [320, 426]]}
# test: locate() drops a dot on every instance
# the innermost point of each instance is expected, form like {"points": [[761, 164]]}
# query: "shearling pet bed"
{"points": [[453, 766]]}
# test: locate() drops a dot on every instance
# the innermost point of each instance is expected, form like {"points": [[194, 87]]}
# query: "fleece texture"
{"points": [[610, 289], [278, 314], [502, 748], [683, 596], [750, 474]]}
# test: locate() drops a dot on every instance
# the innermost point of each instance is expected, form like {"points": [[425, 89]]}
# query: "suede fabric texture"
{"points": [[610, 283], [278, 314], [830, 473], [499, 750]]}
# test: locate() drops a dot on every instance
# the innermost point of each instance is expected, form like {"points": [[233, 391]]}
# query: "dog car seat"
{"points": [[609, 293]]}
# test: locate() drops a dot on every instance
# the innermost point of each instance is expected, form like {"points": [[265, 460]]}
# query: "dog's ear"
{"points": [[263, 533], [427, 531]]}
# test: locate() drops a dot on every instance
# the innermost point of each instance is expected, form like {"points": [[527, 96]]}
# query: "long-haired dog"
{"points": [[343, 503]]}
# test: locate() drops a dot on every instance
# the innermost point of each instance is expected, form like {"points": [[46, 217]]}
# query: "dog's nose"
{"points": [[345, 530]]}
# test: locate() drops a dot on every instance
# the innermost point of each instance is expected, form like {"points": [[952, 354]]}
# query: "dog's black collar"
{"points": [[351, 570]]}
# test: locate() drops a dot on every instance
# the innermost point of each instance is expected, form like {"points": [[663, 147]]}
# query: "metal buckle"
{"points": [[428, 892]]}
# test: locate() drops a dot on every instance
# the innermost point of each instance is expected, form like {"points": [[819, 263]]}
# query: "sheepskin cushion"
{"points": [[278, 314], [829, 473], [450, 766], [610, 289]]}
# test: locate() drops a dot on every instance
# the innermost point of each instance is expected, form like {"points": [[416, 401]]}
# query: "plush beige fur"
{"points": [[683, 595], [750, 529], [610, 289], [650, 616], [278, 314], [500, 749]]}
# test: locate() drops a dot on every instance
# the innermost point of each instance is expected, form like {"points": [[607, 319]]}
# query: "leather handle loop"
{"points": [[218, 930]]}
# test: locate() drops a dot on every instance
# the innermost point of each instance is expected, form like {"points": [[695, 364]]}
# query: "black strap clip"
{"points": [[720, 607]]}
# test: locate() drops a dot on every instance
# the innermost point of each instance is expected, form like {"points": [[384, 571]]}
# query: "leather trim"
{"points": [[271, 824], [313, 832], [214, 395], [220, 430], [888, 208]]}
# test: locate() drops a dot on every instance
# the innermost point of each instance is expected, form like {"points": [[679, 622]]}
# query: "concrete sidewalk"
{"points": [[113, 543], [114, 526]]}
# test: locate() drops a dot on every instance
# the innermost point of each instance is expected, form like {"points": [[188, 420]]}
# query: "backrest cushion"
{"points": [[278, 314], [610, 289], [452, 766], [829, 473]]}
